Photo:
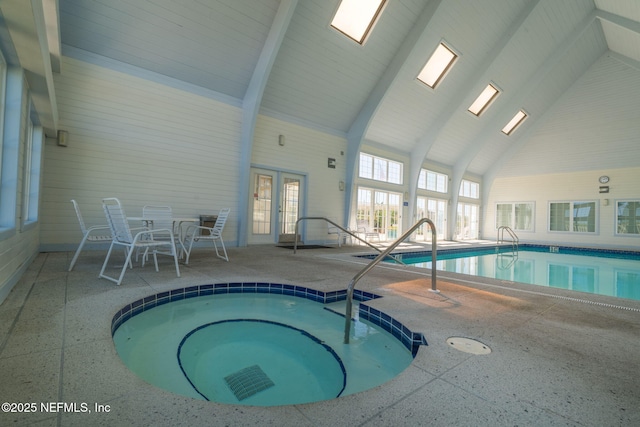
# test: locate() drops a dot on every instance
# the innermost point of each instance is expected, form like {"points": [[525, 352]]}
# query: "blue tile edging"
{"points": [[411, 340], [561, 249]]}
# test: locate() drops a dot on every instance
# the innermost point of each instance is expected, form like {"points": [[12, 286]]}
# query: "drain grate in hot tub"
{"points": [[248, 381]]}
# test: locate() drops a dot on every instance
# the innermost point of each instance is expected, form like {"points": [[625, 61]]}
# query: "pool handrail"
{"points": [[515, 242], [295, 245], [380, 257]]}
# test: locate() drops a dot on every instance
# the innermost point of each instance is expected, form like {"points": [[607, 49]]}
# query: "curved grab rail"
{"points": [[515, 242], [295, 245], [375, 261]]}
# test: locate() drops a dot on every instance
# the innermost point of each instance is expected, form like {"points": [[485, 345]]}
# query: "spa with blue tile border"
{"points": [[411, 340]]}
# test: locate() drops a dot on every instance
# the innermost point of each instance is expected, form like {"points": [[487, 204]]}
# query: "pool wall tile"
{"points": [[410, 340]]}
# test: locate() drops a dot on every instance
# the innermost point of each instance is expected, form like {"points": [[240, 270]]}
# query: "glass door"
{"points": [[289, 210], [436, 211], [276, 205], [381, 210], [468, 221]]}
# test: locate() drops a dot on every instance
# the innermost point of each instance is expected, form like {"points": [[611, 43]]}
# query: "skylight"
{"points": [[482, 102], [514, 123], [355, 18], [437, 66]]}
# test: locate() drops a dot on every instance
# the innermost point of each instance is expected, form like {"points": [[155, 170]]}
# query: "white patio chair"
{"points": [[365, 229], [144, 239], [342, 236], [195, 233], [88, 234], [160, 218]]}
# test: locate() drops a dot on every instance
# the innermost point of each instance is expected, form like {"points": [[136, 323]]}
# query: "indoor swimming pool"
{"points": [[612, 273]]}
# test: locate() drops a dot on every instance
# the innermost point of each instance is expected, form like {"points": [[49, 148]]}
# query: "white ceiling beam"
{"points": [[25, 22], [618, 20], [412, 45], [251, 105]]}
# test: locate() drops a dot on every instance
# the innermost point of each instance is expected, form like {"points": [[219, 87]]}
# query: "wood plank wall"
{"points": [[140, 141]]}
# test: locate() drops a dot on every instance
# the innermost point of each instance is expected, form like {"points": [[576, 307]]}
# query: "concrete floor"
{"points": [[554, 361]]}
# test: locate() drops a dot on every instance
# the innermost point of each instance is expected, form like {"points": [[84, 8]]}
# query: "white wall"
{"points": [[140, 141], [305, 151], [575, 186], [148, 143]]}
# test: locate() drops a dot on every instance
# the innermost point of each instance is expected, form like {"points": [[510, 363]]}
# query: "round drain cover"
{"points": [[468, 345]]}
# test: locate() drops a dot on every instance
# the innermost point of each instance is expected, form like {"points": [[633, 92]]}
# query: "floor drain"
{"points": [[468, 345]]}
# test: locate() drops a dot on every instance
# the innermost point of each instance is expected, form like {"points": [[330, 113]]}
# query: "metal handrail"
{"points": [[295, 245], [375, 261], [515, 242]]}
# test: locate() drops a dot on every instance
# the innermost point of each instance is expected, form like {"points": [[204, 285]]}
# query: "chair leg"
{"points": [[225, 257], [104, 264], [175, 255], [155, 258], [124, 266], [188, 252], [75, 256]]}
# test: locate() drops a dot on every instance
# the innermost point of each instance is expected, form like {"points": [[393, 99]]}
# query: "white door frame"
{"points": [[272, 235]]}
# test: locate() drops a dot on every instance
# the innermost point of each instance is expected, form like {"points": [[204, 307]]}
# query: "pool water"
{"points": [[604, 273], [257, 349]]}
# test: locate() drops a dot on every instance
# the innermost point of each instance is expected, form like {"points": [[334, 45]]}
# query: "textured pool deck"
{"points": [[557, 358]]}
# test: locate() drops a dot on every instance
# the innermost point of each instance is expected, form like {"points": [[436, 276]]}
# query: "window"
{"points": [[433, 181], [355, 18], [514, 122], [484, 99], [32, 170], [628, 217], [15, 108], [380, 169], [572, 216], [517, 216], [437, 66], [469, 189]]}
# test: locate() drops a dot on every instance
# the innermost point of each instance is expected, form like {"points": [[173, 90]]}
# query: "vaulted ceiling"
{"points": [[534, 51]]}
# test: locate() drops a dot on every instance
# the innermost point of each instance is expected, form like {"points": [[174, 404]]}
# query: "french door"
{"points": [[382, 211], [436, 211], [276, 205], [467, 221]]}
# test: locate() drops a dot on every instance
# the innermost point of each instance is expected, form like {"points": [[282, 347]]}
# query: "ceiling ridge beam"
{"points": [[618, 20], [251, 106]]}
